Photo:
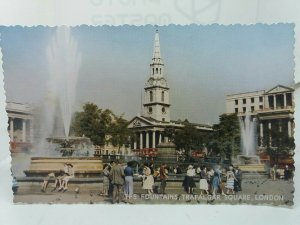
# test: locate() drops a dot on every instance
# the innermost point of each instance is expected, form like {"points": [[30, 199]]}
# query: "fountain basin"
{"points": [[249, 163], [83, 166]]}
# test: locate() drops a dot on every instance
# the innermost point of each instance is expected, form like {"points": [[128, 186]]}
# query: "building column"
{"points": [[267, 104], [280, 125], [290, 128], [261, 132], [11, 129], [134, 142], [23, 130], [284, 100], [147, 139], [153, 139], [141, 140], [159, 140], [274, 96], [270, 140], [30, 131]]}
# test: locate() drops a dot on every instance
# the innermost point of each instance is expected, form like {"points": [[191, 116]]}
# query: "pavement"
{"points": [[255, 191]]}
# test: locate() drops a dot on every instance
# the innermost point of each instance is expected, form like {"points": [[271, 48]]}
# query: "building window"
{"points": [[252, 100], [163, 119], [260, 99], [244, 101], [162, 96], [151, 96], [244, 109], [236, 110], [160, 71], [252, 108], [163, 109], [150, 109], [153, 71], [236, 102], [260, 106], [156, 70]]}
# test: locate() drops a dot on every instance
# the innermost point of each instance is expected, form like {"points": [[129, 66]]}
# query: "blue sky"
{"points": [[202, 64]]}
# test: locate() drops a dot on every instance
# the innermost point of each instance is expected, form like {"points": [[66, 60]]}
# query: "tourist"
{"points": [[286, 173], [189, 182], [117, 177], [148, 180], [106, 179], [203, 181], [69, 175], [46, 181], [230, 180], [128, 187], [215, 183], [58, 180], [238, 179], [273, 172], [110, 186], [163, 174], [210, 176]]}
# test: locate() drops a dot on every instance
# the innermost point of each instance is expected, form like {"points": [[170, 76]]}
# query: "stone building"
{"points": [[19, 124], [156, 117], [273, 108]]}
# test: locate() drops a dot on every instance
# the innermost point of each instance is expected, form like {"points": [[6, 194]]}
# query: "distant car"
{"points": [[15, 185]]}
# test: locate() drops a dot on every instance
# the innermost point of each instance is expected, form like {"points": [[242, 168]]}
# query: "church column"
{"points": [[290, 128], [274, 96], [159, 140], [284, 100], [134, 141], [153, 139], [23, 130], [147, 139], [11, 129], [141, 140], [261, 132]]}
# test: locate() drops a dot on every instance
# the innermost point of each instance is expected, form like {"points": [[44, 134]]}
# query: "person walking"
{"points": [[163, 174], [128, 187], [148, 180], [230, 178], [117, 179], [203, 185], [106, 181], [189, 182]]}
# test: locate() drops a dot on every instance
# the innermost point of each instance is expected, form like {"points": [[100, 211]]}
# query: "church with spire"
{"points": [[149, 128]]}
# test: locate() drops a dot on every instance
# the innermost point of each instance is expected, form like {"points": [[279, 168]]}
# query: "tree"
{"points": [[120, 133], [189, 138], [227, 136], [87, 123], [98, 124]]}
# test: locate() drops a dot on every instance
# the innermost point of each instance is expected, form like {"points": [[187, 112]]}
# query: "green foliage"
{"points": [[189, 138], [226, 138], [98, 124]]}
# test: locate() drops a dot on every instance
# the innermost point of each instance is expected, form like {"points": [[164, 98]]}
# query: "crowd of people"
{"points": [[213, 181], [118, 180]]}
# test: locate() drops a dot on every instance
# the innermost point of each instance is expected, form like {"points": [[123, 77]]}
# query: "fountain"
{"points": [[64, 63], [248, 161]]}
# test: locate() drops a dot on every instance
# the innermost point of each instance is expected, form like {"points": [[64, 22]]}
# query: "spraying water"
{"points": [[248, 135], [64, 64]]}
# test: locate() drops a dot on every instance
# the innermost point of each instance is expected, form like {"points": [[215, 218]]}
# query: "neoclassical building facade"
{"points": [[19, 124], [149, 128], [273, 108]]}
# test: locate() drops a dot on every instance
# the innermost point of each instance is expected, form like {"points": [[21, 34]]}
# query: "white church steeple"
{"points": [[156, 97]]}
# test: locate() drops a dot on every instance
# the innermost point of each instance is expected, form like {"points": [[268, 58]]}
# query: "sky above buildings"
{"points": [[202, 64]]}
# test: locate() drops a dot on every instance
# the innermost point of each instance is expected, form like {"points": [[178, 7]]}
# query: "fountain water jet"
{"points": [[249, 161], [64, 64]]}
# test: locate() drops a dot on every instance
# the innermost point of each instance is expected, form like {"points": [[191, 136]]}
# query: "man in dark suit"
{"points": [[117, 176]]}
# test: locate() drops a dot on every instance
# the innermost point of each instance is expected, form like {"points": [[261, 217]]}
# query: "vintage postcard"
{"points": [[151, 114]]}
